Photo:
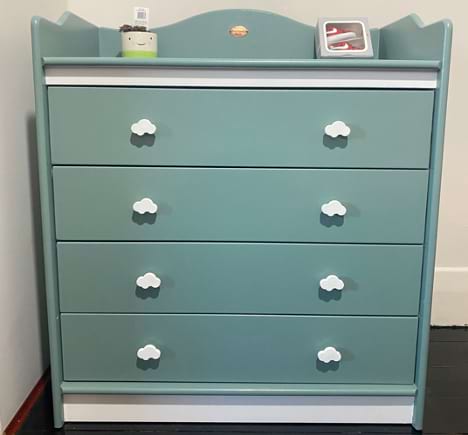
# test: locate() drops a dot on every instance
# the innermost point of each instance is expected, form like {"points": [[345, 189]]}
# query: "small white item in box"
{"points": [[343, 37], [141, 16]]}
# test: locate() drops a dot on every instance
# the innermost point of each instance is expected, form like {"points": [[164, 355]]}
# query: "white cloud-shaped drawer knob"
{"points": [[328, 355], [333, 208], [337, 128], [148, 280], [148, 352], [142, 127], [331, 282], [145, 205]]}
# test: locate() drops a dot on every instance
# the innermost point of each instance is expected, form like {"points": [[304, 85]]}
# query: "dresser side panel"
{"points": [[435, 174], [42, 31]]}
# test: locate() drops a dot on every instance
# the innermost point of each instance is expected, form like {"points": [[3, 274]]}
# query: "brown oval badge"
{"points": [[238, 31]]}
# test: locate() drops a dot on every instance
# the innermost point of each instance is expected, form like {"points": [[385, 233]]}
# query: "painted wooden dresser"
{"points": [[237, 231]]}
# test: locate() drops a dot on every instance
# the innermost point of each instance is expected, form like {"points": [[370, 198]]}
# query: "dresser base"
{"points": [[237, 409]]}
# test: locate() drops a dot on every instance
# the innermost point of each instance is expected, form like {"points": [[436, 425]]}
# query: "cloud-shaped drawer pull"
{"points": [[328, 355], [142, 127], [331, 282], [337, 128], [145, 205], [333, 208], [148, 280], [148, 352]]}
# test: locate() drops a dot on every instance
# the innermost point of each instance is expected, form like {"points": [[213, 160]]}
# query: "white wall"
{"points": [[451, 285], [23, 339]]}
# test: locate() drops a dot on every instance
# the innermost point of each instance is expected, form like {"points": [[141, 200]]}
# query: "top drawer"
{"points": [[227, 127]]}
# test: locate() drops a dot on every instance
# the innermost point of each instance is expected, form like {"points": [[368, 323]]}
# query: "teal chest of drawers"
{"points": [[237, 231]]}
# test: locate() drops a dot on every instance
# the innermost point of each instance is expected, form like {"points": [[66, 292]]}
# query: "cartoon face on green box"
{"points": [[139, 44]]}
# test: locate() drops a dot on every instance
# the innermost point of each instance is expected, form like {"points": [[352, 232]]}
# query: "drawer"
{"points": [[227, 127], [199, 204], [239, 278], [222, 348]]}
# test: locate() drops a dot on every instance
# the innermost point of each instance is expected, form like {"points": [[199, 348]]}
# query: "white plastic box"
{"points": [[343, 37]]}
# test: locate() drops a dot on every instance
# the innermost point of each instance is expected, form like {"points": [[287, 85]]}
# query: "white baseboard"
{"points": [[238, 409], [450, 297]]}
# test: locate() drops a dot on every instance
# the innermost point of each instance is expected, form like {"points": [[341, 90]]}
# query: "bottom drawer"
{"points": [[238, 348]]}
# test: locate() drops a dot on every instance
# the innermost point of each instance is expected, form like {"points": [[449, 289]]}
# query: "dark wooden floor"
{"points": [[446, 405]]}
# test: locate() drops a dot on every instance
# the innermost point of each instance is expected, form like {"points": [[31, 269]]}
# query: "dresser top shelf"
{"points": [[243, 63], [205, 38], [277, 52]]}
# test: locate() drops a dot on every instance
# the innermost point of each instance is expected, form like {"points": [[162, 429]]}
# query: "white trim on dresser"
{"points": [[238, 409], [240, 77]]}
